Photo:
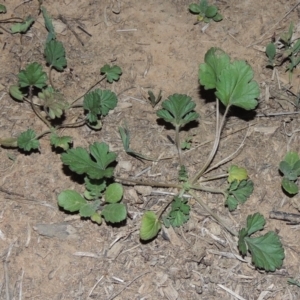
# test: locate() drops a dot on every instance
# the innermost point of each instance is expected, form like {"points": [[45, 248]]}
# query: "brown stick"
{"points": [[280, 215]]}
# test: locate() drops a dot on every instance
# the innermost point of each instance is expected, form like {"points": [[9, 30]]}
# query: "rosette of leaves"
{"points": [[179, 213], [98, 103], [98, 200], [290, 168], [205, 12], [239, 188], [54, 103], [266, 250]]}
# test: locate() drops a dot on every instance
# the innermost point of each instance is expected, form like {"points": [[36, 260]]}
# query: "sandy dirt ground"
{"points": [[48, 254]]}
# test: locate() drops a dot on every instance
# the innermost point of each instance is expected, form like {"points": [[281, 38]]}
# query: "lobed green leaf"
{"points": [[79, 161], [178, 110], [255, 223], [28, 141], [55, 55], [236, 87], [267, 251], [111, 73], [60, 141], [237, 173], [33, 75], [216, 60]]}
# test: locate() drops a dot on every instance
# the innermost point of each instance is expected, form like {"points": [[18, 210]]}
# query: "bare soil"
{"points": [[47, 254]]}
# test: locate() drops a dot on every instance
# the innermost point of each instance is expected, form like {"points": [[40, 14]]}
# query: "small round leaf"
{"points": [[114, 193], [70, 200], [150, 226]]}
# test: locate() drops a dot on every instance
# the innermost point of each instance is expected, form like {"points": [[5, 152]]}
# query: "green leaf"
{"points": [[111, 73], [114, 193], [48, 25], [240, 191], [241, 243], [231, 203], [53, 102], [218, 17], [255, 223], [271, 51], [211, 11], [178, 110], [125, 137], [154, 100], [194, 8], [60, 141], [293, 281], [28, 141], [89, 209], [288, 171], [216, 60], [16, 93], [236, 87], [2, 8], [291, 158], [71, 200], [79, 161], [114, 213], [179, 214], [150, 226], [267, 251], [203, 5], [33, 75], [55, 55], [94, 187], [289, 186], [236, 173], [96, 218], [22, 27], [178, 218], [99, 102]]}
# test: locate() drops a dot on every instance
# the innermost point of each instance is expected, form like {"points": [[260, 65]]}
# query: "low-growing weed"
{"points": [[232, 83], [285, 49], [205, 12], [290, 168]]}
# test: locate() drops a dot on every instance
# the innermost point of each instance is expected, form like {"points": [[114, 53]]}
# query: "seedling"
{"points": [[266, 250], [233, 85], [154, 100], [290, 168], [187, 143], [286, 49], [100, 198], [53, 105], [271, 53], [205, 12]]}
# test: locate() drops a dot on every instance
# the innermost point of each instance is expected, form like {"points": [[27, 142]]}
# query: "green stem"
{"points": [[177, 142], [216, 143], [43, 133], [215, 216], [76, 124], [148, 183], [35, 109], [207, 189], [12, 20], [87, 91], [214, 177]]}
